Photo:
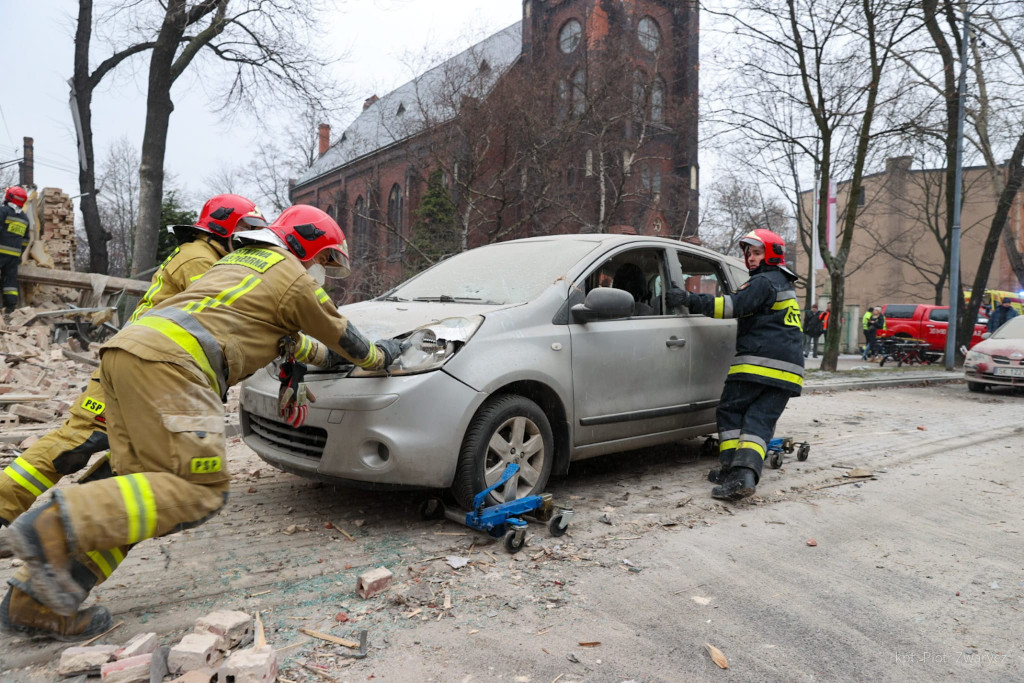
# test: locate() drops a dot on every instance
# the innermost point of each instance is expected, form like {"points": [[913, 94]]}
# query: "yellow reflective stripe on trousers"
{"points": [[728, 445], [752, 445], [227, 297], [10, 252], [106, 560], [28, 477], [771, 373], [139, 506], [186, 341]]}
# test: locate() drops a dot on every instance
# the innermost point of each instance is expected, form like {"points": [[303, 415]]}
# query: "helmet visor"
{"points": [[338, 266], [252, 221]]}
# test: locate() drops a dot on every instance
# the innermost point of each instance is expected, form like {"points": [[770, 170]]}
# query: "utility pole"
{"points": [[814, 232], [954, 249]]}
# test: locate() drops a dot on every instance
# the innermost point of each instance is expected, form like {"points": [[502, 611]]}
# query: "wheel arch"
{"points": [[549, 401]]}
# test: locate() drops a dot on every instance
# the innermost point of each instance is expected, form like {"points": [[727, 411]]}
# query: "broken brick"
{"points": [[141, 644], [85, 660], [373, 582], [128, 670], [252, 665], [195, 651], [234, 628]]}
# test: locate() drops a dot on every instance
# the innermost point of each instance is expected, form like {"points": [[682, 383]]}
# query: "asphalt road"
{"points": [[916, 574]]}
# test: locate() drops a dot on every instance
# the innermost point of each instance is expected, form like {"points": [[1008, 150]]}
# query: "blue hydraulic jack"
{"points": [[503, 519]]}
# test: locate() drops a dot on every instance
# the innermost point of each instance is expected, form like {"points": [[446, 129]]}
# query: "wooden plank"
{"points": [[328, 637], [70, 278], [22, 398]]}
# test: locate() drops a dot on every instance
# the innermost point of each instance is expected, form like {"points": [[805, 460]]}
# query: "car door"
{"points": [[935, 328], [712, 342], [630, 375]]}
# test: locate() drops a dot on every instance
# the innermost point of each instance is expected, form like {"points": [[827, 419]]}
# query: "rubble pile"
{"points": [[214, 650], [57, 216], [39, 375]]}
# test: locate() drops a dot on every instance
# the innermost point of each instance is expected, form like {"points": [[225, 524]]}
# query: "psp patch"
{"points": [[93, 406], [204, 465]]}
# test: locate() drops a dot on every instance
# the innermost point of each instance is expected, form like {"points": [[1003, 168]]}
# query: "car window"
{"points": [[700, 275], [1014, 329], [503, 273], [901, 311], [641, 272], [939, 315]]}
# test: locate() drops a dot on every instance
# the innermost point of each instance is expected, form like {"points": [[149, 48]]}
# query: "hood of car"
{"points": [[1010, 348], [386, 319]]}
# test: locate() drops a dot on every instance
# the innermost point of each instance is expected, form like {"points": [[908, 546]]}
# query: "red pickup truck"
{"points": [[922, 321]]}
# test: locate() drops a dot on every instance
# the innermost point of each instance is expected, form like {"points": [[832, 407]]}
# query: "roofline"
{"points": [[912, 170]]}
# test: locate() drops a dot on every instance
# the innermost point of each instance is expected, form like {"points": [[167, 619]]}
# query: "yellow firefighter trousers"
{"points": [[166, 430], [63, 451]]}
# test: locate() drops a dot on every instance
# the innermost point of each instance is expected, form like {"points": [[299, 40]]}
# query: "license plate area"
{"points": [[1009, 372]]}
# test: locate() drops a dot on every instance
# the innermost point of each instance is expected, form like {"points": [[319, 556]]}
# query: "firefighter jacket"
{"points": [[227, 325], [185, 265], [13, 230], [769, 339]]}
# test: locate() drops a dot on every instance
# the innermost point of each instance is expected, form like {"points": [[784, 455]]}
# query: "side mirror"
{"points": [[986, 335], [604, 303]]}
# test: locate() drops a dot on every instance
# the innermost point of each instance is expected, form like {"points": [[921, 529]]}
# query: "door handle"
{"points": [[675, 342]]}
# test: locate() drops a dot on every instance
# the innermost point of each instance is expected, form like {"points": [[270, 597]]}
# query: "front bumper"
{"points": [[403, 431], [985, 373]]}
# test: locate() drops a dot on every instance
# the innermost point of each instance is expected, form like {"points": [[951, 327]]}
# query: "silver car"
{"points": [[539, 351]]}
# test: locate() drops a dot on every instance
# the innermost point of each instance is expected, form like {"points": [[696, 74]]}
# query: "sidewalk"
{"points": [[854, 373]]}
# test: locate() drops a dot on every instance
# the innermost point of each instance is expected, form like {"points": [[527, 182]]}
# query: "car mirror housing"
{"points": [[604, 303]]}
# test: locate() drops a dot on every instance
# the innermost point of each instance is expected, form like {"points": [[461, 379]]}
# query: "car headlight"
{"points": [[429, 347], [977, 357]]}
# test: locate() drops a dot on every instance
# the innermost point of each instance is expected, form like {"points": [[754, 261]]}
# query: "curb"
{"points": [[881, 383]]}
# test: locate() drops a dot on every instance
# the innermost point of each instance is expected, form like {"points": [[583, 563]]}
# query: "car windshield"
{"points": [[1011, 330], [503, 273]]}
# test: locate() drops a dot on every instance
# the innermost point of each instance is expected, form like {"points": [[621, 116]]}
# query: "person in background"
{"points": [[869, 332], [1000, 315], [812, 330], [13, 240]]}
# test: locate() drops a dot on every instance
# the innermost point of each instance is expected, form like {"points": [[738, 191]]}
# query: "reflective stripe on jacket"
{"points": [[769, 338], [13, 231], [245, 303], [185, 265]]}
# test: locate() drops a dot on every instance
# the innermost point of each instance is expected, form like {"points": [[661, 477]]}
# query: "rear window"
{"points": [[900, 310]]}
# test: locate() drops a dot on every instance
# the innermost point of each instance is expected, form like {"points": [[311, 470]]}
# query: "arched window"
{"points": [[395, 221], [658, 100], [577, 92], [360, 235], [649, 34]]}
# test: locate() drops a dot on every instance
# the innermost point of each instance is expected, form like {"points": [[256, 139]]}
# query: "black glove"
{"points": [[293, 397], [391, 348], [676, 296]]}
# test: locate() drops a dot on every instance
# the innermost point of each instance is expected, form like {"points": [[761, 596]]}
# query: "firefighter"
{"points": [[165, 378], [68, 448], [769, 365], [13, 240]]}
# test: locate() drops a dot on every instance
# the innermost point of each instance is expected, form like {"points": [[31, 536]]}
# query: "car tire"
{"points": [[976, 387], [499, 421]]}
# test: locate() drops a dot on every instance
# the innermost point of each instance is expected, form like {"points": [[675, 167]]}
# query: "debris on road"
{"points": [[717, 656]]}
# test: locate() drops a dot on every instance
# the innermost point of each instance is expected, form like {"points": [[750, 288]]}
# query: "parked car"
{"points": [[519, 352], [923, 321], [998, 360]]}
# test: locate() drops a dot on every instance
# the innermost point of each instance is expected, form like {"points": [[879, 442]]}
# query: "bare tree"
{"points": [[118, 203], [815, 74], [84, 82], [267, 46], [736, 207]]}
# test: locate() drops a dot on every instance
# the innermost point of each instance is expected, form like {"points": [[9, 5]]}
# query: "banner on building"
{"points": [[831, 209]]}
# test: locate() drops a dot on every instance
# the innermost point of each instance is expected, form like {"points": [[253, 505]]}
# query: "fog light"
{"points": [[374, 454]]}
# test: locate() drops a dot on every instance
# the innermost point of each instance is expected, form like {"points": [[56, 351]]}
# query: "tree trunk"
{"points": [[94, 232], [1014, 180], [154, 139]]}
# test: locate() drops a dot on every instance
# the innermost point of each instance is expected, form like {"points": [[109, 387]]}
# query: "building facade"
{"points": [[899, 251], [582, 117]]}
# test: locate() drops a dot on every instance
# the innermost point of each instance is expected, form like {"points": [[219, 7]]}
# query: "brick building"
{"points": [[579, 118]]}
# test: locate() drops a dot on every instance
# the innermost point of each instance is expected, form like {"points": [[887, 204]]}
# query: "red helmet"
{"points": [[774, 246], [307, 231], [16, 195], [225, 213]]}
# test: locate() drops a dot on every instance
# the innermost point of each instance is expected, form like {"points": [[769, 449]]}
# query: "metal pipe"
{"points": [[954, 248]]}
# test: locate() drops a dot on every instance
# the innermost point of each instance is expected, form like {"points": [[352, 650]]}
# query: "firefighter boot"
{"points": [[718, 474], [38, 538], [739, 483], [20, 612]]}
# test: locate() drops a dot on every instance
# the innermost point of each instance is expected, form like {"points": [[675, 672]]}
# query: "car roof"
{"points": [[616, 239]]}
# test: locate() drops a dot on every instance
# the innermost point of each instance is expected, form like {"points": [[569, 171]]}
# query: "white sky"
{"points": [[36, 54]]}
